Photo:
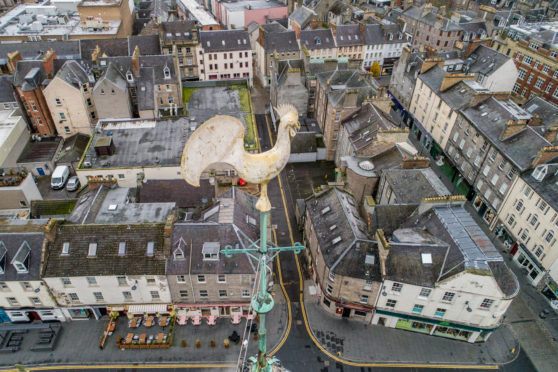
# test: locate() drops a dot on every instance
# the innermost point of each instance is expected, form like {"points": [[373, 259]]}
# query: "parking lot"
{"points": [[43, 183]]}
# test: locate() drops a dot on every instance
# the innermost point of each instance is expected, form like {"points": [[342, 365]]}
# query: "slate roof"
{"points": [[146, 89], [548, 187], [281, 42], [363, 125], [547, 111], [224, 40], [177, 191], [468, 247], [67, 49], [182, 31], [486, 60], [225, 223], [73, 73], [430, 18], [149, 45], [39, 151], [73, 148], [283, 67], [106, 262], [342, 235], [302, 15], [110, 47], [22, 69], [338, 82], [490, 118], [6, 90], [10, 243], [158, 63], [317, 39], [113, 75], [476, 28], [409, 186], [348, 35]]}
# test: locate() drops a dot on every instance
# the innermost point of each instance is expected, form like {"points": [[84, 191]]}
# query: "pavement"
{"points": [[82, 338], [538, 337]]}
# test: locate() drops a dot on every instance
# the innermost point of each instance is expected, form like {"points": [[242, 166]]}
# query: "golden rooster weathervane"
{"points": [[221, 140]]}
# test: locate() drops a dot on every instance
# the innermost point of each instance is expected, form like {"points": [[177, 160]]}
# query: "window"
{"points": [[221, 278], [539, 251], [73, 296], [67, 129], [493, 154], [203, 292], [13, 301], [516, 88], [440, 312], [503, 189], [525, 234], [522, 74], [534, 220], [331, 275], [66, 281], [150, 280], [98, 296], [546, 69], [542, 206], [396, 287], [62, 116], [150, 249], [548, 88], [418, 308], [88, 100], [91, 280], [391, 303], [549, 236], [26, 286], [486, 303], [201, 278], [35, 300], [511, 173], [222, 293], [448, 297], [245, 293], [180, 279], [4, 286], [154, 295], [121, 280], [425, 292], [58, 102], [486, 170], [127, 295], [329, 289], [183, 293], [539, 83], [511, 220], [494, 179], [363, 299], [527, 59], [519, 205]]}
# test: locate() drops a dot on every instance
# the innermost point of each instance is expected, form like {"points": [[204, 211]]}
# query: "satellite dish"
{"points": [[440, 161], [134, 288]]}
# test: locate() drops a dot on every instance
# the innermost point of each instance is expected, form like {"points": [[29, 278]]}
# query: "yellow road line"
{"points": [[309, 331], [290, 317], [289, 312]]}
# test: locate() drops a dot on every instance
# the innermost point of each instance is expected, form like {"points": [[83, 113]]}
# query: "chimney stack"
{"points": [[13, 58], [545, 154], [512, 127], [551, 134]]}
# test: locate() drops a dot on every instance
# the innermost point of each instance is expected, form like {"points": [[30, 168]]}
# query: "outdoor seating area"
{"points": [[10, 341], [47, 338], [147, 331]]}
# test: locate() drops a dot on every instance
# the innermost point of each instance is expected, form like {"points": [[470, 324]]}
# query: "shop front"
{"points": [[35, 314], [431, 326], [528, 263], [81, 313], [484, 210]]}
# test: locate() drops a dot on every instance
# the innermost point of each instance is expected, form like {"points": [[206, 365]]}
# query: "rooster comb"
{"points": [[284, 109]]}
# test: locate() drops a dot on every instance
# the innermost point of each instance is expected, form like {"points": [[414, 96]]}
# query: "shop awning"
{"points": [[142, 309]]}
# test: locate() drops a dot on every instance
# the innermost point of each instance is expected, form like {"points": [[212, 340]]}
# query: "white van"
{"points": [[59, 177]]}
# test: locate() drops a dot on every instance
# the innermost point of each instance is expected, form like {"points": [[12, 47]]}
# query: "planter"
{"points": [[183, 343], [198, 344]]}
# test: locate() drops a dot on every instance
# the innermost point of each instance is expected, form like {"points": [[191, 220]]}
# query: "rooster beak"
{"points": [[298, 125]]}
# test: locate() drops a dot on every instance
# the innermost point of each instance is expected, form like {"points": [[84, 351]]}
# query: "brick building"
{"points": [[29, 79]]}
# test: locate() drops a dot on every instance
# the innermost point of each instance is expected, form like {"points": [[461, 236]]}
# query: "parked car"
{"points": [[59, 177], [73, 184]]}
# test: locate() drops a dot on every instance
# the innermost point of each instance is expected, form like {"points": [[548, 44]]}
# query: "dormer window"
{"points": [[92, 252], [21, 259], [390, 35], [65, 249], [178, 253], [210, 251], [129, 76], [84, 87], [251, 220], [540, 172], [166, 71], [3, 255]]}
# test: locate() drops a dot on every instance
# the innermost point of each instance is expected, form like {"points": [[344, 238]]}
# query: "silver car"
{"points": [[73, 184]]}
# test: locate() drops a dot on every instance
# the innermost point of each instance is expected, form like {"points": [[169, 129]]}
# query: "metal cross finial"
{"points": [[262, 302]]}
